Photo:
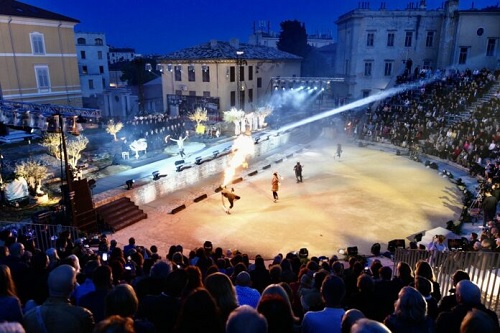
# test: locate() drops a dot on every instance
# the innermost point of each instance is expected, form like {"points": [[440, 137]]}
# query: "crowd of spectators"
{"points": [[133, 289]]}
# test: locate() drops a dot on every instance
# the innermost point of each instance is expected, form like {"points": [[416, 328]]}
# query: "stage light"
{"points": [[156, 175], [129, 183], [215, 152], [198, 160]]}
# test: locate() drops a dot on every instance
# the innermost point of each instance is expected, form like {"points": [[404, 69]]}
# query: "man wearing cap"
{"points": [[245, 293]]}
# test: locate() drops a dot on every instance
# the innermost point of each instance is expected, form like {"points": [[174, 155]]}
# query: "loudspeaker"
{"points": [[395, 243], [178, 209], [266, 167], [352, 251], [434, 166], [253, 173]]}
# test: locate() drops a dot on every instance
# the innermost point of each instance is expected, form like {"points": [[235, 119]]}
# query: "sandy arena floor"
{"points": [[368, 195]]}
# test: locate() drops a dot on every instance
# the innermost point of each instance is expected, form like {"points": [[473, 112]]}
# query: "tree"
{"points": [[293, 38], [135, 73], [52, 141], [199, 116], [113, 128], [261, 113], [234, 116], [34, 172], [74, 148]]}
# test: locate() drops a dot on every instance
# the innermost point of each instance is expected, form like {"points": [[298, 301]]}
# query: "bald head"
{"points": [[61, 281], [468, 292]]}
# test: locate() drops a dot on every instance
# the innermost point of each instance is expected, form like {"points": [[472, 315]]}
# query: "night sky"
{"points": [[163, 26]]}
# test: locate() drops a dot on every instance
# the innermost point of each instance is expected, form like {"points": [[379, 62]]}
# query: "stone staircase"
{"points": [[466, 115], [119, 214]]}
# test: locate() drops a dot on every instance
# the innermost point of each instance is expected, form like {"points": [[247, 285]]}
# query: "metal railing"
{"points": [[482, 267], [44, 235]]}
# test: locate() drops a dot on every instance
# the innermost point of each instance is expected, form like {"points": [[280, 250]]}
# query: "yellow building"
{"points": [[38, 61]]}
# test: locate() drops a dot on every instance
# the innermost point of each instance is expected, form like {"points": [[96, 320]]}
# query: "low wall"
{"points": [[144, 192]]}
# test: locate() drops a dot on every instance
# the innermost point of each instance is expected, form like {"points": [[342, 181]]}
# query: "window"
{"points": [[83, 55], [368, 68], [81, 41], [427, 64], [101, 69], [366, 93], [98, 41], [369, 39], [192, 93], [37, 43], [191, 73], [232, 74], [429, 41], [205, 73], [250, 95], [462, 57], [103, 83], [390, 39], [388, 68], [85, 70], [346, 69], [99, 55], [408, 38], [259, 82], [250, 73], [206, 94], [490, 47], [42, 78], [178, 72], [242, 73], [242, 99], [91, 84], [232, 102]]}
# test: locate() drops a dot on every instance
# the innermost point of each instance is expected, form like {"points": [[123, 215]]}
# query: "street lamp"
{"points": [[239, 63]]}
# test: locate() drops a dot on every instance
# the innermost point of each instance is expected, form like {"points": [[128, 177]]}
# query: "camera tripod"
{"points": [[474, 209]]}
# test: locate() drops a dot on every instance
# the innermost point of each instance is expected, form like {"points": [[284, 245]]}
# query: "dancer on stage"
{"points": [[275, 185], [180, 143]]}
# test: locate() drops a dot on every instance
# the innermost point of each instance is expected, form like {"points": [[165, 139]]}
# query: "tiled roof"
{"points": [[218, 50], [16, 8]]}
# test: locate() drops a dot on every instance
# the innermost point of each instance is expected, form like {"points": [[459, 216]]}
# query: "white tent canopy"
{"points": [[428, 235]]}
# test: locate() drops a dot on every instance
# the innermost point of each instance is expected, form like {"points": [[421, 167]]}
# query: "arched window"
{"points": [[81, 41], [98, 41]]}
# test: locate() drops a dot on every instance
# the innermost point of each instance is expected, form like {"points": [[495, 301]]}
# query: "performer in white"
{"points": [[180, 143]]}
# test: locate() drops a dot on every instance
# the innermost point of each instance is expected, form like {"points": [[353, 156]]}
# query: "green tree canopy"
{"points": [[293, 38]]}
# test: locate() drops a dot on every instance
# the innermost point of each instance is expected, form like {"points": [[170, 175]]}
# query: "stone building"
{"points": [[377, 47], [221, 75]]}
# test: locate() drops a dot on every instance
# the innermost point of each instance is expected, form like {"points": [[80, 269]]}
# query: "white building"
{"points": [[92, 54], [375, 47]]}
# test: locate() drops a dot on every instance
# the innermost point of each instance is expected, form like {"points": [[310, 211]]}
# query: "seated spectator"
{"points": [[450, 301], [221, 288], [10, 306], [468, 297], [410, 313], [245, 293], [478, 321], [57, 314], [115, 324], [349, 318], [424, 286], [365, 325], [199, 313], [329, 319], [364, 300], [122, 301], [245, 319], [95, 300]]}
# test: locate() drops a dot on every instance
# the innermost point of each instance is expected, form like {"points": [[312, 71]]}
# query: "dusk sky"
{"points": [[163, 26]]}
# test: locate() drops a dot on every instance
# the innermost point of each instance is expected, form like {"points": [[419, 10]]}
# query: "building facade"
{"points": [[222, 75], [92, 53], [37, 56], [376, 48]]}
